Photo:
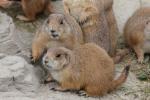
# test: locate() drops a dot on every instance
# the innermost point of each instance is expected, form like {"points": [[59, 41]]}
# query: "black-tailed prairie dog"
{"points": [[57, 30], [91, 17], [137, 32], [32, 7], [97, 21], [87, 67], [112, 24]]}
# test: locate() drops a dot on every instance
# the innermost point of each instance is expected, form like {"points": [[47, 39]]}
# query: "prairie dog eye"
{"points": [[58, 55], [61, 22]]}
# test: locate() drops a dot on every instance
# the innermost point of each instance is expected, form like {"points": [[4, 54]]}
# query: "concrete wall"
{"points": [[125, 8]]}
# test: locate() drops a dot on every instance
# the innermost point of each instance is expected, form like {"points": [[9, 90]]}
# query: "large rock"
{"points": [[6, 33], [17, 74], [13, 40], [6, 27], [123, 10]]}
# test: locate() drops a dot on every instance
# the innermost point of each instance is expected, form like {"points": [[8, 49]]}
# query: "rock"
{"points": [[6, 27], [6, 33], [123, 10], [12, 40], [17, 74]]}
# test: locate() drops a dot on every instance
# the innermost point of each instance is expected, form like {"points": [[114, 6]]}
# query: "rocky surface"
{"points": [[17, 74], [7, 29], [19, 80], [12, 40]]}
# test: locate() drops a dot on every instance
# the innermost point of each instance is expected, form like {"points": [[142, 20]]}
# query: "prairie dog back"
{"points": [[136, 32]]}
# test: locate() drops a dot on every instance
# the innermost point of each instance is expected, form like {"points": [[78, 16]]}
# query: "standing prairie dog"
{"points": [[112, 24], [87, 67], [57, 30], [137, 32], [97, 21], [32, 7], [91, 17]]}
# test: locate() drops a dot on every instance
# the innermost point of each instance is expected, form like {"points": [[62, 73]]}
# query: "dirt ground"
{"points": [[142, 71]]}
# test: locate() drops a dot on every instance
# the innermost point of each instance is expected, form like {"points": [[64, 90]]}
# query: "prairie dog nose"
{"points": [[54, 35], [53, 31]]}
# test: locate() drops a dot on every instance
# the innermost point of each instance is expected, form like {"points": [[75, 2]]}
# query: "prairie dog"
{"points": [[87, 67], [32, 7], [112, 24], [91, 17], [137, 32], [97, 21], [57, 30]]}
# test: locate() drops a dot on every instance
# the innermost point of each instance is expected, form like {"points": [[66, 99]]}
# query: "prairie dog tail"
{"points": [[121, 79]]}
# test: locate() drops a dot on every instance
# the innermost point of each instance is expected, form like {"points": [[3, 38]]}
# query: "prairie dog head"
{"points": [[57, 59], [81, 10], [57, 27]]}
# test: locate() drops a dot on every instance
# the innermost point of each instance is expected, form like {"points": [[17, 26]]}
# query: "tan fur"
{"points": [[97, 21], [112, 24], [32, 7], [87, 67], [68, 31], [135, 34]]}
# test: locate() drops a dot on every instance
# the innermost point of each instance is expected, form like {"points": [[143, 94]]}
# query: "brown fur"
{"points": [[97, 21], [135, 34], [68, 31], [32, 7], [87, 67], [112, 24]]}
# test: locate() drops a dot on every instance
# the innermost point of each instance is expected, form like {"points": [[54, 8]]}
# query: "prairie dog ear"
{"points": [[91, 9], [68, 58], [68, 54]]}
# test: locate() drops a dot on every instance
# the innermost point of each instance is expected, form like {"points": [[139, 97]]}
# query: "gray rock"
{"points": [[7, 29], [17, 74], [12, 40]]}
